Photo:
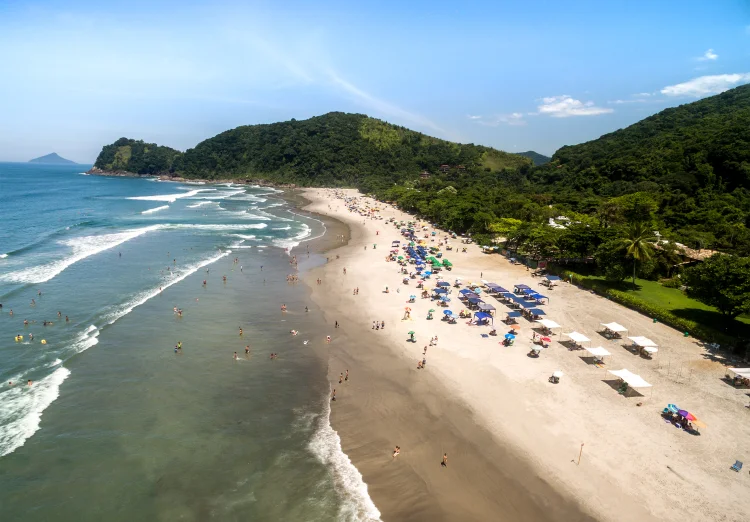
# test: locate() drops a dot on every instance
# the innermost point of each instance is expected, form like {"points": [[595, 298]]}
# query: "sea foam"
{"points": [[157, 209], [21, 409], [170, 198], [325, 444], [141, 297], [82, 247]]}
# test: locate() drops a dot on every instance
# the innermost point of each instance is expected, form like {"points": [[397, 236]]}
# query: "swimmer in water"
{"points": [[66, 319], [235, 356], [306, 310], [240, 331], [247, 349]]}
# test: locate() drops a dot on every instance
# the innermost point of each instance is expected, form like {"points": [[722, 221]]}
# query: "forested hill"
{"points": [[705, 144], [333, 149], [137, 157]]}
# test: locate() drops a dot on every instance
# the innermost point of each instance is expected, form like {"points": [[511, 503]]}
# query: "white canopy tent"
{"points": [[598, 351], [547, 323], [740, 372], [643, 342], [614, 327], [633, 380], [578, 337]]}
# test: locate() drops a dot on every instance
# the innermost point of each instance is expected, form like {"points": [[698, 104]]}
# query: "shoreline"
{"points": [[517, 435], [94, 171]]}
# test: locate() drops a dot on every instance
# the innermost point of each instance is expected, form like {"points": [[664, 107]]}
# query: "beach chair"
{"points": [[737, 466]]}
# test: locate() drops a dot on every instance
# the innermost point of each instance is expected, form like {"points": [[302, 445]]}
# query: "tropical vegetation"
{"points": [[645, 201]]}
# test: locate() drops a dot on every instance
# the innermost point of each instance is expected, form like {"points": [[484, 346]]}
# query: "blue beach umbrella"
{"points": [[447, 312], [510, 336]]}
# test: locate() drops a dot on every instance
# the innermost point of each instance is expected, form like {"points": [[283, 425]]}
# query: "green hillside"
{"points": [[135, 156], [692, 161], [335, 149], [700, 145]]}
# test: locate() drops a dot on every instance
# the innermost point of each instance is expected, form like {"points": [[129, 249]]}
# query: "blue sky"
{"points": [[514, 75]]}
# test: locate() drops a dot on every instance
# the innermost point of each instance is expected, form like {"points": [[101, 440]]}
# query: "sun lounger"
{"points": [[737, 465]]}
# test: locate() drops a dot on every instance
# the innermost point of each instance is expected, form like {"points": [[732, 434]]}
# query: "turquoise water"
{"points": [[116, 425]]}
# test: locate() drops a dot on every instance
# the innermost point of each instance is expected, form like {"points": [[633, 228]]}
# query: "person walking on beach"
{"points": [[333, 395], [341, 377], [396, 451], [445, 460]]}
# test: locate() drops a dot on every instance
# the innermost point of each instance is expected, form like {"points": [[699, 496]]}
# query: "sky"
{"points": [[532, 75]]}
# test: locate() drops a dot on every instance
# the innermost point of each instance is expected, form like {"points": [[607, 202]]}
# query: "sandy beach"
{"points": [[513, 439]]}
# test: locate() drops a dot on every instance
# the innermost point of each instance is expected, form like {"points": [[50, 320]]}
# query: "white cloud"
{"points": [[565, 106], [706, 85], [708, 55], [643, 94], [620, 102], [514, 118], [471, 117]]}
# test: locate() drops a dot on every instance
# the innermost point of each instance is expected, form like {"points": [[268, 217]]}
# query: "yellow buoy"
{"points": [[44, 341]]}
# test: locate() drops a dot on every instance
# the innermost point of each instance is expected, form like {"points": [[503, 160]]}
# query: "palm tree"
{"points": [[639, 243]]}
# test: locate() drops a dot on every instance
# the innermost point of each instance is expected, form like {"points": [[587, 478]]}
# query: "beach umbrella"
{"points": [[400, 257], [673, 408], [510, 336], [411, 332], [546, 340], [412, 297], [431, 310], [447, 312], [536, 348], [684, 413], [515, 327]]}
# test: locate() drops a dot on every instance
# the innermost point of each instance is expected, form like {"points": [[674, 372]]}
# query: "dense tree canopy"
{"points": [[683, 174], [136, 156], [723, 282]]}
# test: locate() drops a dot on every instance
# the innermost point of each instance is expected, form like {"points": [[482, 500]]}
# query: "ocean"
{"points": [[116, 424]]}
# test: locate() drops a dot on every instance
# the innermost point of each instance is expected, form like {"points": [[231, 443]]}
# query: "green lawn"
{"points": [[679, 304]]}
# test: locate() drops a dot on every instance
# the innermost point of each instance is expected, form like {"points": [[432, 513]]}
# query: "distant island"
{"points": [[52, 159]]}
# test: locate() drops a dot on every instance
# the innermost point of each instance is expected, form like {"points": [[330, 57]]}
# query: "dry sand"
{"points": [[513, 438]]}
